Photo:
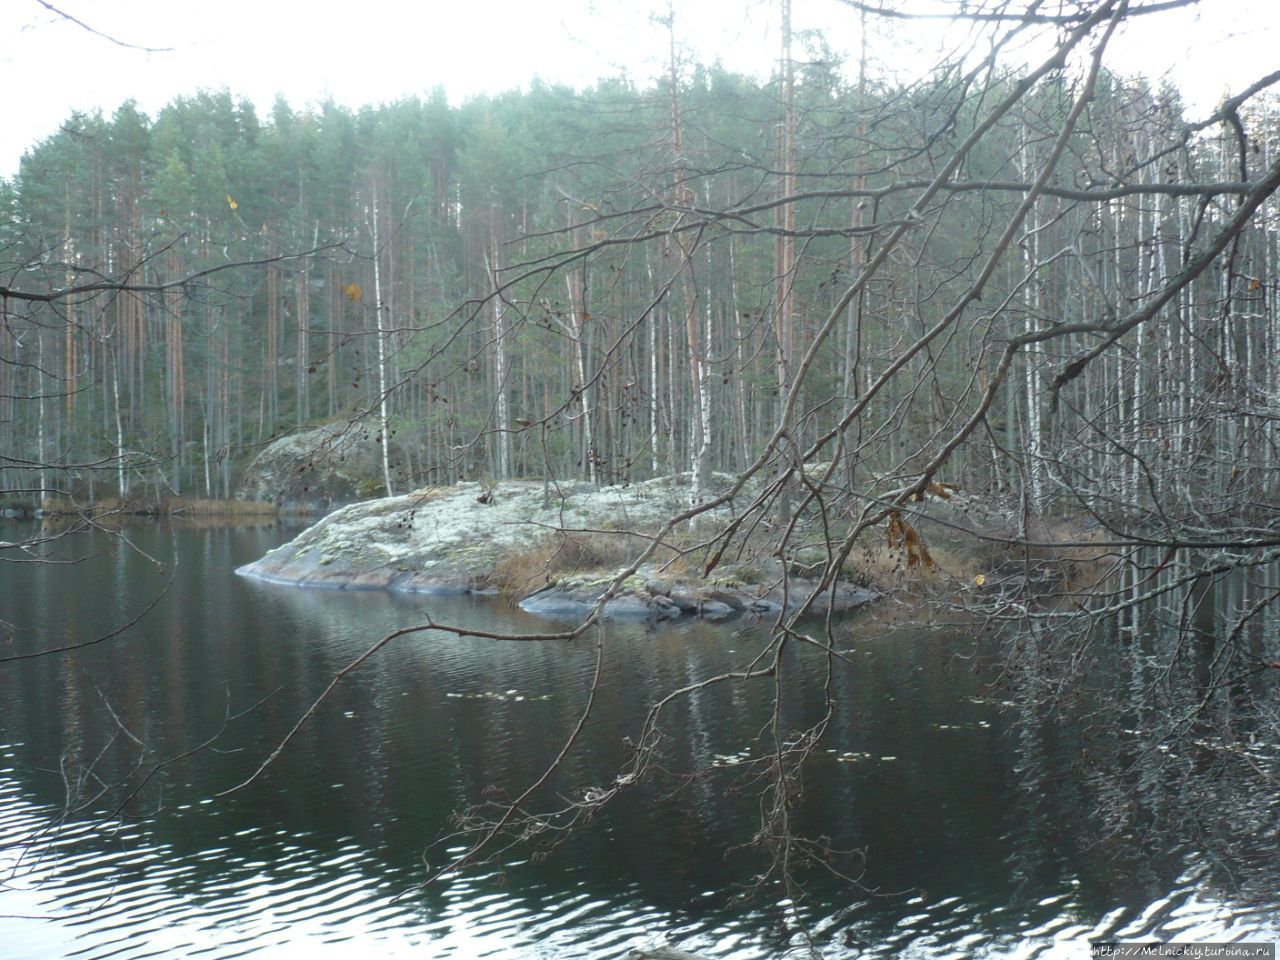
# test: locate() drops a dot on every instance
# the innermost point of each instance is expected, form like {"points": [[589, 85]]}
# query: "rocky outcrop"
{"points": [[319, 469], [451, 538], [456, 539]]}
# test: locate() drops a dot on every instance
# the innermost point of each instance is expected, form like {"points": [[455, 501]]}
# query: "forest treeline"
{"points": [[628, 281]]}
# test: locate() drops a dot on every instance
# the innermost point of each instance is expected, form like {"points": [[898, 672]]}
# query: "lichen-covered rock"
{"points": [[321, 468], [450, 539]]}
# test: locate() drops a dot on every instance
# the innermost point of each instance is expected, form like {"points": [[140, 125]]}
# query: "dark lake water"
{"points": [[985, 830]]}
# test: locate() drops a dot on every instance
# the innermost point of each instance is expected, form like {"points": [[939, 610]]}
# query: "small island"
{"points": [[555, 549]]}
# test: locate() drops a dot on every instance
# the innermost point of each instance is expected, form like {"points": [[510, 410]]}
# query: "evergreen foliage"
{"points": [[552, 239]]}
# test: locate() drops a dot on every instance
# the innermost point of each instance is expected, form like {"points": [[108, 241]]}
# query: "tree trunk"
{"points": [[381, 338]]}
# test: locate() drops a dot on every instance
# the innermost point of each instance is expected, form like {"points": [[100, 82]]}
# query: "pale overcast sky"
{"points": [[377, 50]]}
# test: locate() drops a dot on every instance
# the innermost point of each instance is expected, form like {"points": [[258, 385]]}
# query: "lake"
{"points": [[975, 826]]}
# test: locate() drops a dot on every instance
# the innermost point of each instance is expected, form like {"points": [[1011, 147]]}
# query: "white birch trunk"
{"points": [[1031, 378], [654, 428], [501, 409], [122, 479], [383, 419], [41, 390], [577, 313]]}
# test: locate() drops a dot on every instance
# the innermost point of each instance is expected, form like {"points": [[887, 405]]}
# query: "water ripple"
{"points": [[320, 858]]}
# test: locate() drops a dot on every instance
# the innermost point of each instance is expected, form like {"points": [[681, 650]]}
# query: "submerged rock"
{"points": [[553, 602], [575, 600]]}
